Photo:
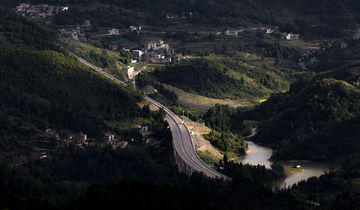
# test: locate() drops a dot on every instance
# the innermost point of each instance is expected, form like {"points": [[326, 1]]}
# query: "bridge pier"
{"points": [[182, 166]]}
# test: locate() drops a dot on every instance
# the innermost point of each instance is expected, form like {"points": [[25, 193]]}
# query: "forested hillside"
{"points": [[41, 88], [44, 89], [312, 19], [318, 123], [17, 32], [223, 78]]}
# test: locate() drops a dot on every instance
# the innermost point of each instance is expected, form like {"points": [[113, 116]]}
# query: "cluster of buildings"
{"points": [[115, 31], [75, 32], [156, 45], [40, 10], [264, 30], [307, 58], [261, 29], [107, 138], [82, 139], [151, 48], [175, 16]]}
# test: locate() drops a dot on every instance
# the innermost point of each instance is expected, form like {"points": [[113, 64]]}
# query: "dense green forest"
{"points": [[323, 116], [17, 32], [226, 123], [223, 78], [312, 19], [41, 90], [224, 118], [139, 195]]}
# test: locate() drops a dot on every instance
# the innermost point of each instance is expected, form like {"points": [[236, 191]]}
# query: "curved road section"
{"points": [[182, 141]]}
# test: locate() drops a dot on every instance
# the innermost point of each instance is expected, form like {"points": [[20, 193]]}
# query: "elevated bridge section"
{"points": [[185, 155]]}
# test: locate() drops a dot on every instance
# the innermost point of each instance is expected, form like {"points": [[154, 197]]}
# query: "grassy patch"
{"points": [[208, 158], [192, 126], [301, 43], [290, 170], [193, 99]]}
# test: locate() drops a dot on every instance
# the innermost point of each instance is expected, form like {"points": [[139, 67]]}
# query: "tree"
{"points": [[145, 57]]}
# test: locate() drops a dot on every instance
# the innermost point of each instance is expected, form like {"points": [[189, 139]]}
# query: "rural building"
{"points": [[138, 53], [108, 137], [113, 31], [292, 36], [128, 70], [231, 32]]}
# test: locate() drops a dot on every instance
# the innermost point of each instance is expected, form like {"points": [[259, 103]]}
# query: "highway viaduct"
{"points": [[185, 155]]}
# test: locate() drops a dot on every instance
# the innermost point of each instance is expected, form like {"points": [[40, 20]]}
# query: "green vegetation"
{"points": [[317, 119], [291, 170], [223, 78], [317, 123], [231, 143], [224, 118], [311, 19], [208, 158], [265, 176], [41, 90], [134, 193], [105, 59], [143, 80], [18, 32]]}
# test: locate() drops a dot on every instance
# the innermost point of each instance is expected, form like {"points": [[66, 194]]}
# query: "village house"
{"points": [[138, 53], [51, 133], [125, 49], [87, 23], [160, 60], [61, 31], [108, 137], [231, 32], [291, 36], [135, 28], [39, 10], [144, 130], [77, 29], [23, 6], [113, 31], [128, 70], [83, 137], [156, 45], [343, 45], [73, 35]]}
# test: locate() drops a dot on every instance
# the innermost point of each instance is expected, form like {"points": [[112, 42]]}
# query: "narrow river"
{"points": [[260, 155]]}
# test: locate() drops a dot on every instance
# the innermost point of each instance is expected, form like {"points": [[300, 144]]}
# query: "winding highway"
{"points": [[183, 143]]}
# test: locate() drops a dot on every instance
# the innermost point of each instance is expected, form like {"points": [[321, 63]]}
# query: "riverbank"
{"points": [[291, 171]]}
